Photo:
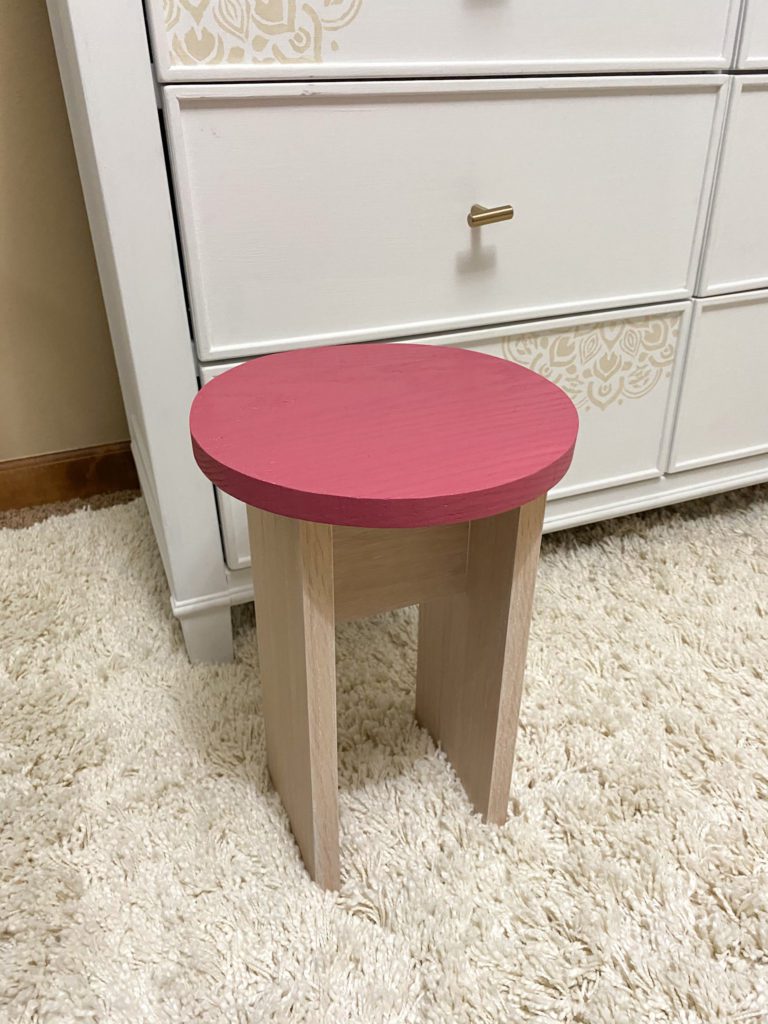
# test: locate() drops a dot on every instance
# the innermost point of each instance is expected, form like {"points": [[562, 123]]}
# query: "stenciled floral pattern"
{"points": [[601, 364], [254, 31]]}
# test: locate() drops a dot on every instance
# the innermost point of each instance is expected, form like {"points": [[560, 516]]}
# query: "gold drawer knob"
{"points": [[480, 215]]}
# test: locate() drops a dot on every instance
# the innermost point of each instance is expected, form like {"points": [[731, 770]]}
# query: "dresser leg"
{"points": [[293, 586], [471, 660], [208, 635]]}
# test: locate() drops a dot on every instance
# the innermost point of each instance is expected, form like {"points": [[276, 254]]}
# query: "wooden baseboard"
{"points": [[65, 475]]}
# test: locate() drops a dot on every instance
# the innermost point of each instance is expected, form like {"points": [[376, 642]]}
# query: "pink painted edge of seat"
{"points": [[383, 513]]}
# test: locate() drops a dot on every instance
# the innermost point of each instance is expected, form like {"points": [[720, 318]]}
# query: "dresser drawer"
{"points": [[620, 371], [321, 213], [723, 410], [195, 40], [753, 48], [736, 253]]}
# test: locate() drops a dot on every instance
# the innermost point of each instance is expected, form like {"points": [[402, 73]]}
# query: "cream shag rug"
{"points": [[147, 870]]}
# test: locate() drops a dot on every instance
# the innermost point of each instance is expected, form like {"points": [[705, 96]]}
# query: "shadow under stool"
{"points": [[378, 476]]}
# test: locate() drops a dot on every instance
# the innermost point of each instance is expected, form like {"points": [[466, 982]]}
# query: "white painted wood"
{"points": [[621, 370], [234, 531], [723, 410], [753, 47], [736, 250], [232, 513], [391, 38], [337, 212], [104, 62], [617, 171], [208, 634], [669, 489]]}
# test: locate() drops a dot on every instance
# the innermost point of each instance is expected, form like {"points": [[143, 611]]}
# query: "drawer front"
{"points": [[194, 40], [321, 213], [723, 411], [736, 253], [753, 49], [620, 372]]}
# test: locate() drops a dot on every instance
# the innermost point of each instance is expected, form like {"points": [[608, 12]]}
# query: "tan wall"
{"points": [[58, 385]]}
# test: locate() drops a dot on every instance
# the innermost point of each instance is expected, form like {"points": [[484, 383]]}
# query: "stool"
{"points": [[378, 476]]}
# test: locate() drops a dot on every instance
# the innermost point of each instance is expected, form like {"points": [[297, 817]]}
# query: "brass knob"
{"points": [[481, 215]]}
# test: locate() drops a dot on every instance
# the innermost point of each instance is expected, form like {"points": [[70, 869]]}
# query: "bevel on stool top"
{"points": [[377, 476]]}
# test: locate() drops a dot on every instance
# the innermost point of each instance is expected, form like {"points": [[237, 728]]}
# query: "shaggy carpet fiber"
{"points": [[147, 872]]}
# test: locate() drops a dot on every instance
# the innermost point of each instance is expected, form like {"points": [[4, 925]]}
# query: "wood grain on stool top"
{"points": [[383, 435]]}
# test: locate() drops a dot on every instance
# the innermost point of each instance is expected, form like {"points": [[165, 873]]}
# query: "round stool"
{"points": [[378, 476]]}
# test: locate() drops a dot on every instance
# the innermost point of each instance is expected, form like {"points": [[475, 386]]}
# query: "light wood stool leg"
{"points": [[293, 584], [471, 659]]}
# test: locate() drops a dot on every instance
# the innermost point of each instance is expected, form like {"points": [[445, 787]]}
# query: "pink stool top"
{"points": [[383, 435]]}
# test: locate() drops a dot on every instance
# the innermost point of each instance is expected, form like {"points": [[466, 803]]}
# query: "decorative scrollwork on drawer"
{"points": [[254, 31], [601, 364]]}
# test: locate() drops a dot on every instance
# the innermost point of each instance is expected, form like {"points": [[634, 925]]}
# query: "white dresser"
{"points": [[267, 174]]}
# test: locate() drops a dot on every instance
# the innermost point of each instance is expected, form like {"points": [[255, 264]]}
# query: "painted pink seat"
{"points": [[383, 435]]}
